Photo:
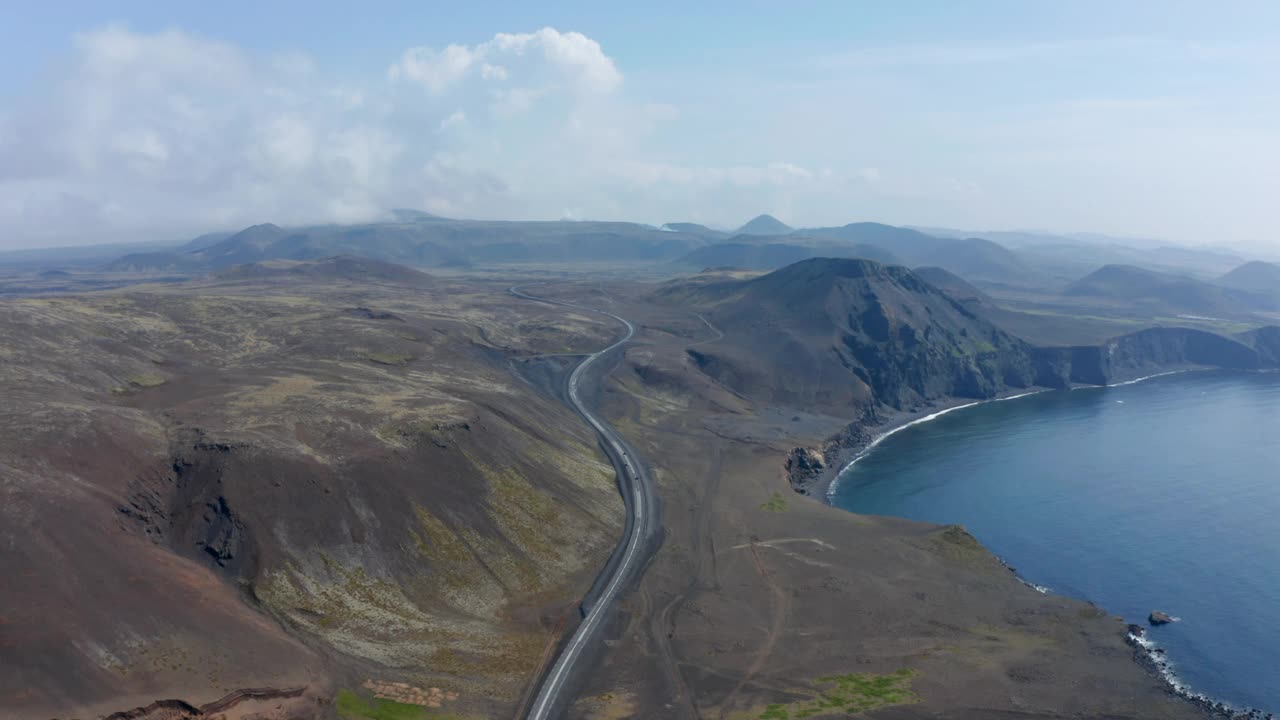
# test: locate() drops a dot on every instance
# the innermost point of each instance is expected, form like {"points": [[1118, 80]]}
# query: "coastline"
{"points": [[850, 454], [1146, 652], [1152, 657]]}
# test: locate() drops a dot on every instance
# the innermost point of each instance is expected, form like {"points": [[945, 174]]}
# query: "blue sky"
{"points": [[145, 120]]}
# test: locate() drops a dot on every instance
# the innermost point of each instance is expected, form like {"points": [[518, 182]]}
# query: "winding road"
{"points": [[641, 536]]}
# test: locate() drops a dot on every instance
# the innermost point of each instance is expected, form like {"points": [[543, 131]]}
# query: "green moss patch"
{"points": [[849, 694], [146, 380], [777, 503], [354, 707]]}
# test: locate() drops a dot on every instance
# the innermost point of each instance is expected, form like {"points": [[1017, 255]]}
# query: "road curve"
{"points": [[640, 539]]}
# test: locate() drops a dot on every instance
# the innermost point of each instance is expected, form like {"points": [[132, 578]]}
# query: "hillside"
{"points": [[911, 245], [292, 486], [694, 229], [773, 255], [1163, 292], [342, 267], [953, 285], [764, 225], [426, 242], [1256, 277], [844, 333], [971, 258], [982, 260]]}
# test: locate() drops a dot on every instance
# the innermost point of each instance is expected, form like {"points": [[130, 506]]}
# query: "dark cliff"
{"points": [[858, 339], [844, 334], [841, 333]]}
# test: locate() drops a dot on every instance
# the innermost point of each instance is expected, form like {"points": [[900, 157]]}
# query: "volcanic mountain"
{"points": [[1257, 277], [1165, 292], [836, 333], [764, 225]]}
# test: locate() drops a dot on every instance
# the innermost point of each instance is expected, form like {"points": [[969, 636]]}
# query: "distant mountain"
{"points": [[342, 267], [954, 285], [162, 261], [764, 225], [254, 243], [757, 255], [973, 258], [906, 243], [1070, 255], [745, 256], [1165, 292], [981, 260], [694, 229], [1256, 276], [408, 215], [204, 241], [427, 241]]}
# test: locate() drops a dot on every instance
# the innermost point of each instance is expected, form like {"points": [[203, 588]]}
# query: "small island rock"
{"points": [[1159, 618]]}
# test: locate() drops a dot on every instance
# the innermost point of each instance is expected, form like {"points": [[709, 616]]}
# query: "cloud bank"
{"points": [[151, 135], [161, 135]]}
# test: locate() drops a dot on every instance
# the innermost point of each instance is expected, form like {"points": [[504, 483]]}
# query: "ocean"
{"points": [[1158, 495]]}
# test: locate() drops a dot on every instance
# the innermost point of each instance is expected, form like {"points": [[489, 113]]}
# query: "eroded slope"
{"points": [[308, 483]]}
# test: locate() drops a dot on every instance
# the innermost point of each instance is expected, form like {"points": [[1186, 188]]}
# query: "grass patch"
{"points": [[351, 706], [146, 380], [388, 358], [849, 694], [777, 503]]}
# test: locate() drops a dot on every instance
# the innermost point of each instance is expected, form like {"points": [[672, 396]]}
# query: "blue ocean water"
{"points": [[1159, 495]]}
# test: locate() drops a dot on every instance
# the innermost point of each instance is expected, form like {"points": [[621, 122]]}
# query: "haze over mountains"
{"points": [[1019, 281], [258, 389]]}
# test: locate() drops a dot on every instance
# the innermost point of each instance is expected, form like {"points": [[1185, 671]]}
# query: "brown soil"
{"points": [[752, 600]]}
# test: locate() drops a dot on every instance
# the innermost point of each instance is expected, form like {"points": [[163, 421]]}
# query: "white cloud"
{"points": [[455, 119], [156, 135], [435, 70], [561, 59]]}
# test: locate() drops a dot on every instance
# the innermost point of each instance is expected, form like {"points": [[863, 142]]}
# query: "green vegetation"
{"points": [[852, 693], [353, 707], [777, 503], [146, 380]]}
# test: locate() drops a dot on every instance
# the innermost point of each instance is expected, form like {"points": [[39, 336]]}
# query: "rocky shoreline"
{"points": [[812, 471], [1152, 658]]}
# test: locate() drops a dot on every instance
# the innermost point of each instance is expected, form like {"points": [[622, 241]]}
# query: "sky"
{"points": [[142, 121]]}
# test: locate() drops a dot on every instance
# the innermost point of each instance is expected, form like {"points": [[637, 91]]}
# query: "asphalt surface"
{"points": [[640, 540]]}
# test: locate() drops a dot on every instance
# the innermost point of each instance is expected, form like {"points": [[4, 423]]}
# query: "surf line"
{"points": [[1148, 377], [831, 488]]}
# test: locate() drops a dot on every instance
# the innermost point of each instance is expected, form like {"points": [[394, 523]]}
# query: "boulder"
{"points": [[1159, 618]]}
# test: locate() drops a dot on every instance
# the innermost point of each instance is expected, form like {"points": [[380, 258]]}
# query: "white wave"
{"points": [[1148, 377], [880, 438], [1015, 397], [831, 489]]}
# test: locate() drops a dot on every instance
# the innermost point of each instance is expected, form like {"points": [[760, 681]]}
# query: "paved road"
{"points": [[641, 536]]}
